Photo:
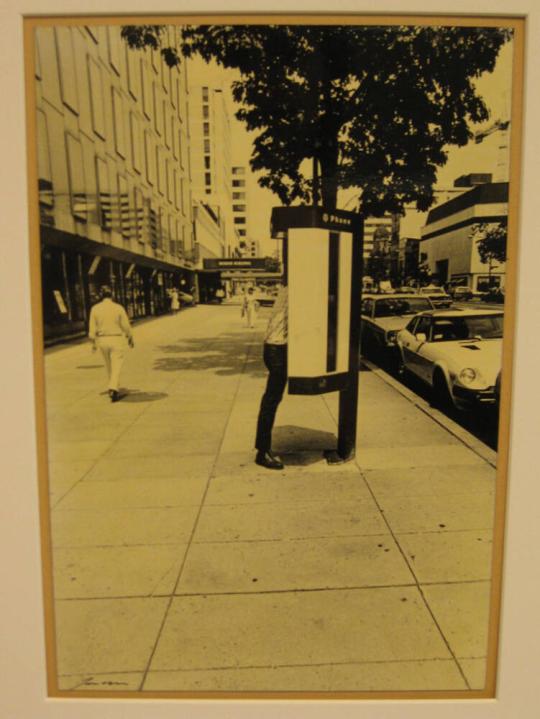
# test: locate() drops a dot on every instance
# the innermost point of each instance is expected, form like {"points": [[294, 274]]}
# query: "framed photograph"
{"points": [[274, 318]]}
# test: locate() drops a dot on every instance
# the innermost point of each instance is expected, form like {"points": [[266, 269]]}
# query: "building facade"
{"points": [[113, 172], [448, 242]]}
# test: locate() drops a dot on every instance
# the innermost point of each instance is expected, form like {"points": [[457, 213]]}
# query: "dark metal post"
{"points": [[348, 398]]}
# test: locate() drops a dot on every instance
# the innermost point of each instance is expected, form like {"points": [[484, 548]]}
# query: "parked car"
{"points": [[456, 352], [437, 295], [186, 299], [265, 298], [383, 316], [460, 293], [494, 295]]}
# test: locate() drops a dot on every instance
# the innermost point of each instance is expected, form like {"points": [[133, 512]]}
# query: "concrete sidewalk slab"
{"points": [[293, 565], [448, 556], [289, 628], [101, 572], [435, 480], [437, 674], [136, 493], [226, 523], [107, 635], [109, 527]]}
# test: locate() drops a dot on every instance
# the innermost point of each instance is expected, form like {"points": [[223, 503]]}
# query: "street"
{"points": [[180, 565]]}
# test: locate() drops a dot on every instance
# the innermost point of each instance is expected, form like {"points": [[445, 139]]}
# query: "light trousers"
{"points": [[113, 350]]}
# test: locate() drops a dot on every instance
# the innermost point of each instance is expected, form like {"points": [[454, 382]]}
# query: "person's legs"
{"points": [[117, 360], [275, 359], [106, 354]]}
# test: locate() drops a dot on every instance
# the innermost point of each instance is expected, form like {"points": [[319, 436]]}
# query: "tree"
{"points": [[491, 241], [374, 107]]}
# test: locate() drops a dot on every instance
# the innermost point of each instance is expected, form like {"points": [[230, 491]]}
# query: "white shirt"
{"points": [[277, 330], [108, 319]]}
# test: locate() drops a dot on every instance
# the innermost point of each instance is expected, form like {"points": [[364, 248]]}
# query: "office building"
{"points": [[113, 171]]}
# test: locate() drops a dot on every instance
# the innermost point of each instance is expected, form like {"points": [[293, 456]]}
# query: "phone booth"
{"points": [[322, 252]]}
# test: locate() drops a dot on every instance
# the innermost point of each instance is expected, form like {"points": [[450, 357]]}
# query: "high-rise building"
{"points": [[210, 148], [113, 171]]}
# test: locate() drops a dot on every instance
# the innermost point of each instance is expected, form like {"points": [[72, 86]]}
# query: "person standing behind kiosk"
{"points": [[108, 329], [275, 359]]}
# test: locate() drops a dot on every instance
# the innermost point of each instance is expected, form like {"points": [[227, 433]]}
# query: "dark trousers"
{"points": [[275, 359]]}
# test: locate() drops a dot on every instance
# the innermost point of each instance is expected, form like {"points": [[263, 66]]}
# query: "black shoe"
{"points": [[114, 395], [268, 460]]}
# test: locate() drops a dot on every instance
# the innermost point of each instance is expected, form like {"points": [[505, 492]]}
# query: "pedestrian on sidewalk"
{"points": [[175, 301], [249, 307], [109, 328], [275, 359]]}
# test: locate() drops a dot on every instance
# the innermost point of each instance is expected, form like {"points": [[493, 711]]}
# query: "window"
{"points": [[158, 110], [207, 146], [104, 194], [123, 207], [96, 97], [66, 63], [170, 182], [206, 112], [136, 144], [161, 171], [239, 208], [113, 42], [205, 94], [146, 90], [239, 170], [239, 220], [138, 215], [207, 162], [424, 326], [45, 185], [133, 60], [150, 152], [118, 119], [239, 195], [238, 183], [207, 178], [242, 233], [206, 128], [77, 187]]}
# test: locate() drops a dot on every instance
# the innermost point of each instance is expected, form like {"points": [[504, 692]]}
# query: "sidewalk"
{"points": [[182, 566]]}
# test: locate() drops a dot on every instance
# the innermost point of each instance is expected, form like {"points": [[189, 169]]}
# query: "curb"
{"points": [[476, 445]]}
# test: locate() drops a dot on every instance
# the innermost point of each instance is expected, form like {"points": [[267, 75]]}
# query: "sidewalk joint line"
{"points": [[197, 518]]}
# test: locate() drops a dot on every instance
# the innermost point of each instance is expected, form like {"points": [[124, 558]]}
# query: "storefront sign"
{"points": [[234, 263]]}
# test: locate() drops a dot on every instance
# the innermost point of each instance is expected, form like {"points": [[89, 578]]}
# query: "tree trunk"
{"points": [[329, 180]]}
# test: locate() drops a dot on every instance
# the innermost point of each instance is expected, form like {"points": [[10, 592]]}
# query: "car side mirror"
{"points": [[421, 336]]}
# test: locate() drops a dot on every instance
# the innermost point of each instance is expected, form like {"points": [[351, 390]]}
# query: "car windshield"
{"points": [[467, 328], [433, 291], [396, 306]]}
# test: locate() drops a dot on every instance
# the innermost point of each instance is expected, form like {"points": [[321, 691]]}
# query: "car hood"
{"points": [[396, 322], [483, 355]]}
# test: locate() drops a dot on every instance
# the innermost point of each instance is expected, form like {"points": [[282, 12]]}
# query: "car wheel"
{"points": [[441, 394]]}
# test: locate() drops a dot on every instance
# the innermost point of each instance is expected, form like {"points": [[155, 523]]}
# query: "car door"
{"points": [[412, 346]]}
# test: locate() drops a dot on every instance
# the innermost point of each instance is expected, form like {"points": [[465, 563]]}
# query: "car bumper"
{"points": [[471, 397]]}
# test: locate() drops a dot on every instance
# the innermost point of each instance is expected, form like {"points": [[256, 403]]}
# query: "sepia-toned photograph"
{"points": [[273, 274]]}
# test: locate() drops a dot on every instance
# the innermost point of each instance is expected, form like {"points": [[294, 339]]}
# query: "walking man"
{"points": [[275, 359], [249, 307], [109, 328]]}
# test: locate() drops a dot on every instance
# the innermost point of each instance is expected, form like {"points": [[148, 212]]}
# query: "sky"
{"points": [[494, 87]]}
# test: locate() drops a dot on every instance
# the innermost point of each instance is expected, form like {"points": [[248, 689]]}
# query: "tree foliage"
{"points": [[375, 106], [491, 239]]}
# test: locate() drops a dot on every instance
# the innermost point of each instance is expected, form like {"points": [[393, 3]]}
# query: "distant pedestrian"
{"points": [[175, 301], [250, 307], [275, 359], [109, 328]]}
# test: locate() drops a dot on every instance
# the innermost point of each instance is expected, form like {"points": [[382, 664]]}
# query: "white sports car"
{"points": [[456, 352]]}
